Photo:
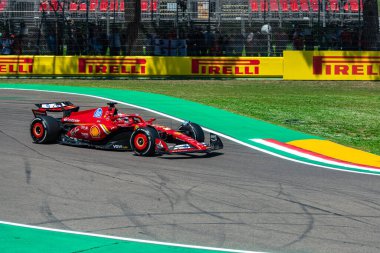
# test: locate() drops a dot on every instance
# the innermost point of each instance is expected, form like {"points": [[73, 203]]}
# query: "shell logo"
{"points": [[94, 131]]}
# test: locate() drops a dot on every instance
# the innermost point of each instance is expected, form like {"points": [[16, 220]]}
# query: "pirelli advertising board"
{"points": [[141, 66], [331, 65]]}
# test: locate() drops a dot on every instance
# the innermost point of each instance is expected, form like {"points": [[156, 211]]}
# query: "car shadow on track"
{"points": [[191, 156]]}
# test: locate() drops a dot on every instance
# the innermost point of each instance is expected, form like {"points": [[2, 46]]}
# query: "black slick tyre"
{"points": [[143, 141], [45, 129], [193, 130]]}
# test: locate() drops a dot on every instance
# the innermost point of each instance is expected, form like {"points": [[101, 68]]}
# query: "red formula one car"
{"points": [[106, 128]]}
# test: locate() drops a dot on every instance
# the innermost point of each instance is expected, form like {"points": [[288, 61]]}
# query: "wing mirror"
{"points": [[150, 121]]}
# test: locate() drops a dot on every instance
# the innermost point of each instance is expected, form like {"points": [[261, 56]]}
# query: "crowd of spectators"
{"points": [[335, 38], [212, 42], [199, 41]]}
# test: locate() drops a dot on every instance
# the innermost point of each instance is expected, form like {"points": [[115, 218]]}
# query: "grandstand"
{"points": [[194, 10], [59, 20]]}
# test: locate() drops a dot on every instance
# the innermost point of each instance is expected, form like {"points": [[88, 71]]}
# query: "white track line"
{"points": [[126, 239]]}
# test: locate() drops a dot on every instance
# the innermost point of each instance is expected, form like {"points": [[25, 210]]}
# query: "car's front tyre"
{"points": [[192, 130], [143, 141]]}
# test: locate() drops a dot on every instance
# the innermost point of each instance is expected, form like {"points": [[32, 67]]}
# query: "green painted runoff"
{"points": [[17, 239]]}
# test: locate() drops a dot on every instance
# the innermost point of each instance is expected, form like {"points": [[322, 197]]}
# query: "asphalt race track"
{"points": [[239, 198]]}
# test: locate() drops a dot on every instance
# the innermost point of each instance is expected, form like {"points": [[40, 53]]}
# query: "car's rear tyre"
{"points": [[45, 129], [143, 141], [192, 130]]}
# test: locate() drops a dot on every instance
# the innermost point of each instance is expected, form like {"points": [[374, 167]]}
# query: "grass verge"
{"points": [[346, 112]]}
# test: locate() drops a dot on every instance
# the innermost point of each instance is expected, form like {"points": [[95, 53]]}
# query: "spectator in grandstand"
{"points": [[17, 45], [261, 44], [238, 42], [172, 34], [222, 44], [282, 42], [115, 44], [182, 6], [228, 47], [218, 43], [333, 37], [356, 35], [72, 46], [346, 39], [104, 42], [209, 40], [249, 49], [190, 43], [298, 39], [95, 45], [51, 39], [201, 42], [20, 38], [197, 43], [7, 44], [308, 39], [149, 43], [194, 42]]}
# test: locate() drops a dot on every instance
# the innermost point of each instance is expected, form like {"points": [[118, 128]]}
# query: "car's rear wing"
{"points": [[66, 107]]}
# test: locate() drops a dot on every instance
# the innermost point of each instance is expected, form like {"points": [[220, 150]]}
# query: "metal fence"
{"points": [[183, 27]]}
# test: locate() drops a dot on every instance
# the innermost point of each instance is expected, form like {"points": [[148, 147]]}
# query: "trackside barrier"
{"points": [[331, 65], [294, 65], [100, 66]]}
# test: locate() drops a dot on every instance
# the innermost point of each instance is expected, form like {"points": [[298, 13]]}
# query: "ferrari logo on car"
{"points": [[94, 132]]}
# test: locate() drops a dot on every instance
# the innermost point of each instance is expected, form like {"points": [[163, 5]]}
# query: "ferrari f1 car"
{"points": [[106, 128]]}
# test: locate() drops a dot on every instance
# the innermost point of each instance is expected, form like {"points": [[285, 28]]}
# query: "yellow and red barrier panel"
{"points": [[141, 66], [331, 65], [295, 65]]}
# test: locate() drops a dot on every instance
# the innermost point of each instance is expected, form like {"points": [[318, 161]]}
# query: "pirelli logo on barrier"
{"points": [[229, 67], [141, 66], [111, 65], [346, 65], [16, 65]]}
